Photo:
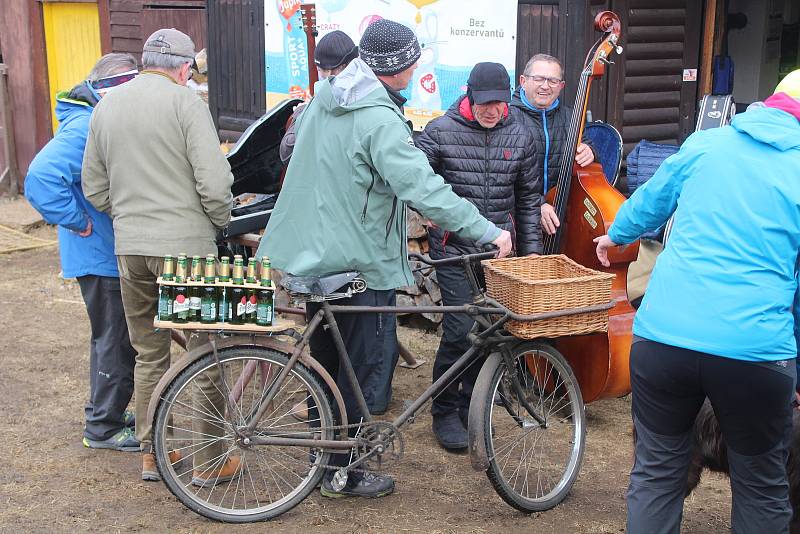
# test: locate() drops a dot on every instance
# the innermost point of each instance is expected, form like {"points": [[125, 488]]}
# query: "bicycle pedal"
{"points": [[339, 480]]}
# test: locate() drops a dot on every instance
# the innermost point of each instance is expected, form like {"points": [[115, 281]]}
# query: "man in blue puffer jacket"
{"points": [[720, 315], [86, 245]]}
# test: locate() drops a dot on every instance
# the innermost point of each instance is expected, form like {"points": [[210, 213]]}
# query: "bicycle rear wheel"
{"points": [[532, 466], [196, 447]]}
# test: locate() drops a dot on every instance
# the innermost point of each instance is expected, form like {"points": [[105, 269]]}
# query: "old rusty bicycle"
{"points": [[262, 400]]}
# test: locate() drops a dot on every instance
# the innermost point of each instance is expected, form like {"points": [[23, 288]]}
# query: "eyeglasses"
{"points": [[112, 81], [540, 80]]}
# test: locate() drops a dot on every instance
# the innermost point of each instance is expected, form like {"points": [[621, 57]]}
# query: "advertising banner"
{"points": [[454, 35]]}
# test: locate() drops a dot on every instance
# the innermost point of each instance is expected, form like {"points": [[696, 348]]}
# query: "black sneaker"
{"points": [[450, 431], [359, 484]]}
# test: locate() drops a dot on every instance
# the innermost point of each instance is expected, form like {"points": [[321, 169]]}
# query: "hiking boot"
{"points": [[123, 440], [300, 412], [129, 419], [463, 415], [450, 431], [231, 469], [149, 469], [359, 484]]}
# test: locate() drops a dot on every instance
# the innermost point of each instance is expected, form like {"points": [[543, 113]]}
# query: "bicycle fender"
{"points": [[478, 456], [242, 342]]}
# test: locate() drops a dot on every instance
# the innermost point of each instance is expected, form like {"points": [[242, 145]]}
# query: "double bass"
{"points": [[586, 205]]}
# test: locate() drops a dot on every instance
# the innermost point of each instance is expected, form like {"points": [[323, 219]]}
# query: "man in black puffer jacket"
{"points": [[537, 97], [488, 156]]}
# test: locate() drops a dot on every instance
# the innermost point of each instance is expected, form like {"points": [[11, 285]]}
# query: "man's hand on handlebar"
{"points": [[503, 243]]}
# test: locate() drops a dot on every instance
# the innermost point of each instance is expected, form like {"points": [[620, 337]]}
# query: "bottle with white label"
{"points": [[180, 293], [195, 293], [250, 308], [238, 292]]}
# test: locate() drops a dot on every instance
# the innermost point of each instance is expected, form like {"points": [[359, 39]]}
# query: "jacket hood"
{"points": [[518, 101], [78, 100], [771, 125], [354, 88]]}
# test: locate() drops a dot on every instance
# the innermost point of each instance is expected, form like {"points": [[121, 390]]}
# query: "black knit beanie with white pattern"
{"points": [[388, 47]]}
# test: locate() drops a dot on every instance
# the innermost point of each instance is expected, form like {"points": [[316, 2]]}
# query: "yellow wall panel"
{"points": [[72, 37]]}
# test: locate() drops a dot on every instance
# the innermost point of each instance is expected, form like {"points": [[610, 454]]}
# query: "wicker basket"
{"points": [[536, 284]]}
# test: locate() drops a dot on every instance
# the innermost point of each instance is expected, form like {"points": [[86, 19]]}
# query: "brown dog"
{"points": [[709, 452]]}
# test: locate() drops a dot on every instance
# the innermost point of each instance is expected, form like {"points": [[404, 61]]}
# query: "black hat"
{"points": [[489, 82], [334, 49], [388, 47]]}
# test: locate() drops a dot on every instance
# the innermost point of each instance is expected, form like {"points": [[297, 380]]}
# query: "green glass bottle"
{"points": [[266, 269], [195, 291], [208, 299], [250, 312], [180, 293], [224, 293], [265, 306], [238, 293], [164, 291]]}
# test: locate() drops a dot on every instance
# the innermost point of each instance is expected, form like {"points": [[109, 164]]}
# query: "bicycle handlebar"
{"points": [[471, 258]]}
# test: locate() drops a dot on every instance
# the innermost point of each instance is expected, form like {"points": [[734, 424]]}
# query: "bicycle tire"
{"points": [[188, 419], [550, 387]]}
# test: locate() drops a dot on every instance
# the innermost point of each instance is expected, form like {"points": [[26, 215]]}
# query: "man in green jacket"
{"points": [[152, 161], [343, 207]]}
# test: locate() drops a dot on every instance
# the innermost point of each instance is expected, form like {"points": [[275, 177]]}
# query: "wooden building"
{"points": [[50, 45], [132, 21], [650, 93]]}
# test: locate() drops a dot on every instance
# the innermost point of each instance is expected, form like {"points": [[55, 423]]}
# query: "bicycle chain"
{"points": [[396, 435]]}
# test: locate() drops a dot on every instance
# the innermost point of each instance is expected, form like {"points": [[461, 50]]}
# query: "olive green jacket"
{"points": [[153, 162], [353, 171]]}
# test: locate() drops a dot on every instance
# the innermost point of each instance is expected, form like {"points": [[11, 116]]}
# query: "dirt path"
{"points": [[50, 483]]}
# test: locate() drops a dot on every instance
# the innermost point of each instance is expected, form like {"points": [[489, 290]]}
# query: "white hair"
{"points": [[157, 60], [111, 64]]}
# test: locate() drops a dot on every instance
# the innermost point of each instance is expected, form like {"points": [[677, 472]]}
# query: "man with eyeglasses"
{"points": [[537, 100]]}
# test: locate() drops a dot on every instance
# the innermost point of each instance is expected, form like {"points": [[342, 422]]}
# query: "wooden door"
{"points": [[72, 39]]}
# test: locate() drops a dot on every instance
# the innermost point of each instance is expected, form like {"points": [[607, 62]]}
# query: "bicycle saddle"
{"points": [[320, 286]]}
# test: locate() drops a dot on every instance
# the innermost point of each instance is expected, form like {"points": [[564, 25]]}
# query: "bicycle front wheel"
{"points": [[533, 464], [197, 452]]}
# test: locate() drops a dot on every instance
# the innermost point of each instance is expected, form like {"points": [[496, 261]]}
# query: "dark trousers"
{"points": [[111, 357], [370, 342], [455, 327], [752, 402]]}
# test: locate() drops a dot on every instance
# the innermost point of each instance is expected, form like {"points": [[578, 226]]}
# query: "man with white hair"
{"points": [[153, 163]]}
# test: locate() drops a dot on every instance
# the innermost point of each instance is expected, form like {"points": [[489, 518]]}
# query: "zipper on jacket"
{"points": [[404, 241], [546, 149], [513, 232], [486, 176], [366, 200], [391, 218]]}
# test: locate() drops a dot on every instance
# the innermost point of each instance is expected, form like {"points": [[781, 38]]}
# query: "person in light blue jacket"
{"points": [[719, 318], [86, 246]]}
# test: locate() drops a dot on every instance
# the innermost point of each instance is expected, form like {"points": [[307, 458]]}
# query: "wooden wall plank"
{"points": [[126, 5], [656, 17], [643, 100], [637, 117]]}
